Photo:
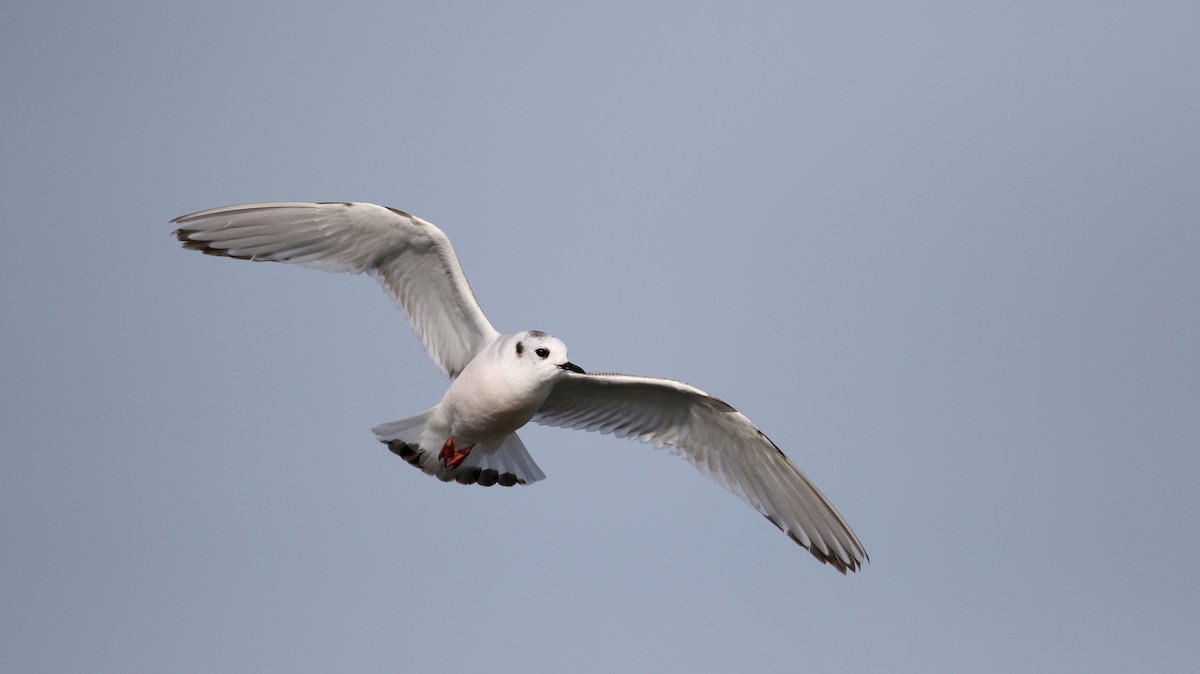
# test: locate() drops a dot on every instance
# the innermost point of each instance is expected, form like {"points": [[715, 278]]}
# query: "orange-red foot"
{"points": [[452, 457]]}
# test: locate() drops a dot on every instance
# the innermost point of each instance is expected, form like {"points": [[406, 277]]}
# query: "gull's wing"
{"points": [[410, 257], [719, 441]]}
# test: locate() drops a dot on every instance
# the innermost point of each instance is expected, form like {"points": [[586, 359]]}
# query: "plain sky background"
{"points": [[947, 255]]}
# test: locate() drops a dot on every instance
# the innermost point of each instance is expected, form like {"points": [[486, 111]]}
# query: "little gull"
{"points": [[501, 382]]}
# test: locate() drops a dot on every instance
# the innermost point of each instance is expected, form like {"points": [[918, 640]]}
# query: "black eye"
{"points": [[542, 352], [520, 348]]}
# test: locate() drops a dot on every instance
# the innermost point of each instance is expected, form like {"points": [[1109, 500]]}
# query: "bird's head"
{"points": [[542, 353]]}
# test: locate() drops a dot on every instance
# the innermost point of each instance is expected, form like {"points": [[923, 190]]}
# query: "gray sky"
{"points": [[945, 256]]}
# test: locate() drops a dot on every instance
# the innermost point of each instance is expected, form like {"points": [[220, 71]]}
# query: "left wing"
{"points": [[718, 440]]}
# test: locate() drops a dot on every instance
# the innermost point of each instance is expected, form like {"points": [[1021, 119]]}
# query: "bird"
{"points": [[500, 382]]}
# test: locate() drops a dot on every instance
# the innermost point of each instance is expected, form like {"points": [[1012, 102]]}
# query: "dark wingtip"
{"points": [[204, 247], [833, 560]]}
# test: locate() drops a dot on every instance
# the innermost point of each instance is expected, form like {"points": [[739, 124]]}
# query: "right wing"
{"points": [[410, 257]]}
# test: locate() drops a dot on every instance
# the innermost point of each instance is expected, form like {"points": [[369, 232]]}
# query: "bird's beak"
{"points": [[572, 367]]}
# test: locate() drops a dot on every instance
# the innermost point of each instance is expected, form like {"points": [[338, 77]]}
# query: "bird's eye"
{"points": [[542, 352]]}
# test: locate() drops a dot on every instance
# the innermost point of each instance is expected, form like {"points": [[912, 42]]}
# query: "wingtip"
{"points": [[843, 566], [204, 247]]}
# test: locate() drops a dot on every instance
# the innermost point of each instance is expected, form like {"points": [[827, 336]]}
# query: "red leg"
{"points": [[460, 455], [452, 457]]}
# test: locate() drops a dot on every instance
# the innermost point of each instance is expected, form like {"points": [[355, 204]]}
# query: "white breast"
{"points": [[490, 400]]}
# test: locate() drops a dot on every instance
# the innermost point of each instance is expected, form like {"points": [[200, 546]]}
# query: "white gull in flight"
{"points": [[500, 382]]}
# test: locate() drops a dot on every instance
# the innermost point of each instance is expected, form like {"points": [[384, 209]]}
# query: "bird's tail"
{"points": [[505, 462], [407, 430]]}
